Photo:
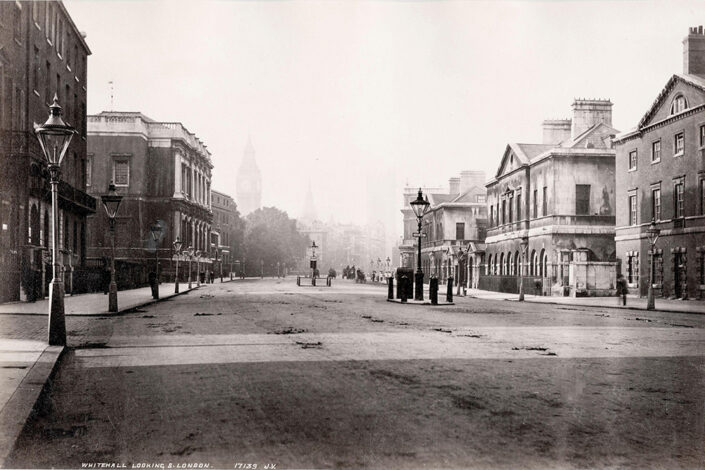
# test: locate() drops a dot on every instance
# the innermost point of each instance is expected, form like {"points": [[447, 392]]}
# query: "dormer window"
{"points": [[678, 104]]}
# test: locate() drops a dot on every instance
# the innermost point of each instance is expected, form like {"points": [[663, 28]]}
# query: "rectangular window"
{"points": [[678, 198], [702, 136], [632, 160], [582, 199], [678, 143], [511, 209], [633, 270], [632, 210], [519, 206], [481, 198], [656, 204], [702, 196], [536, 203], [504, 211], [37, 72], [58, 88], [121, 171], [460, 231], [89, 169], [492, 215], [35, 12], [17, 21], [658, 269], [545, 201], [47, 91], [656, 151]]}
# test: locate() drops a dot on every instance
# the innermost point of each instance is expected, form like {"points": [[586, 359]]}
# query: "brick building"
{"points": [[560, 195], [661, 177], [163, 172], [42, 54], [226, 231]]}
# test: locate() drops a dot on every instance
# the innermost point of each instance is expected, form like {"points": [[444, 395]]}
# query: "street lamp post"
{"points": [[524, 245], [420, 207], [156, 230], [111, 203], [653, 233], [177, 253], [388, 266], [313, 260], [189, 252], [54, 138]]}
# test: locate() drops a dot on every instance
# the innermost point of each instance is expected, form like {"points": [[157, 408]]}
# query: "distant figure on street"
{"points": [[622, 289]]}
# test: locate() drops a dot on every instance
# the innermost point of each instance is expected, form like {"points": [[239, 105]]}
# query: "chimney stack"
{"points": [[694, 52], [454, 186], [556, 131], [470, 179], [587, 113]]}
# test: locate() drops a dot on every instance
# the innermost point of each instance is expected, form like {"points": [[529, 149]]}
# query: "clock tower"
{"points": [[248, 182]]}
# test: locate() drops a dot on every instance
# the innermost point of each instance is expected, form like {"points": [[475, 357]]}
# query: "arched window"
{"points": [[517, 263], [542, 263], [508, 264], [488, 266], [501, 264], [533, 263], [678, 104]]}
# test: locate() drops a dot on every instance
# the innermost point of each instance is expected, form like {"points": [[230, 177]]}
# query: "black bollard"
{"points": [[433, 290], [298, 280], [313, 281], [390, 288], [449, 292], [403, 282]]}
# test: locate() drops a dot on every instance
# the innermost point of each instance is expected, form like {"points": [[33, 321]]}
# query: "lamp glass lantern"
{"points": [[653, 233], [111, 201], [177, 245], [156, 230], [420, 205], [54, 135]]}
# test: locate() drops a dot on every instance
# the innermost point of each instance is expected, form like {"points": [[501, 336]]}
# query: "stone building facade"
{"points": [[456, 220], [42, 54], [560, 196], [226, 236], [163, 172], [661, 177]]}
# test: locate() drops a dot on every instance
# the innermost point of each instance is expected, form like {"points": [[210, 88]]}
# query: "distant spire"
{"points": [[309, 212]]}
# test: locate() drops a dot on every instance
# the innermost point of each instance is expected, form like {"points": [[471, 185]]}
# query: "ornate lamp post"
{"points": [[111, 203], [420, 207], [313, 259], [198, 268], [54, 137], [189, 252], [653, 233], [177, 252], [156, 230], [524, 245]]}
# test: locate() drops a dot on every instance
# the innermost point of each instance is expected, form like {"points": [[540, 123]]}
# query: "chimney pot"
{"points": [[694, 52]]}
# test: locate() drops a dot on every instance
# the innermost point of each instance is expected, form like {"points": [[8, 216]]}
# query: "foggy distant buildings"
{"points": [[248, 183]]}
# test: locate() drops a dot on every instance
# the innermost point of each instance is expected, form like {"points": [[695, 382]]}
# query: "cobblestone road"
{"points": [[263, 372]]}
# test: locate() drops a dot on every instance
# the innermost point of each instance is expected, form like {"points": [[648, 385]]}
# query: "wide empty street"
{"points": [[264, 372]]}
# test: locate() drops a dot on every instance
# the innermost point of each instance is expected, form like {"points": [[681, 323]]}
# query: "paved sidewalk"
{"points": [[633, 302], [27, 362], [96, 303]]}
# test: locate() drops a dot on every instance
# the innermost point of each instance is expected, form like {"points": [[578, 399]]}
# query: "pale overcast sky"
{"points": [[361, 97]]}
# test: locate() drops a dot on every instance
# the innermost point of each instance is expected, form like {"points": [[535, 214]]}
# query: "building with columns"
{"points": [[163, 172], [558, 197]]}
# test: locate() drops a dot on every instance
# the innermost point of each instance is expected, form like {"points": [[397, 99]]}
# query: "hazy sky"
{"points": [[361, 97]]}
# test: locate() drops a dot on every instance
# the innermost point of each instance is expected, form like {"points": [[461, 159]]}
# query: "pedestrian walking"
{"points": [[621, 290]]}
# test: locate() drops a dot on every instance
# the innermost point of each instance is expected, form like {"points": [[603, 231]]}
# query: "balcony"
{"points": [[75, 199]]}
